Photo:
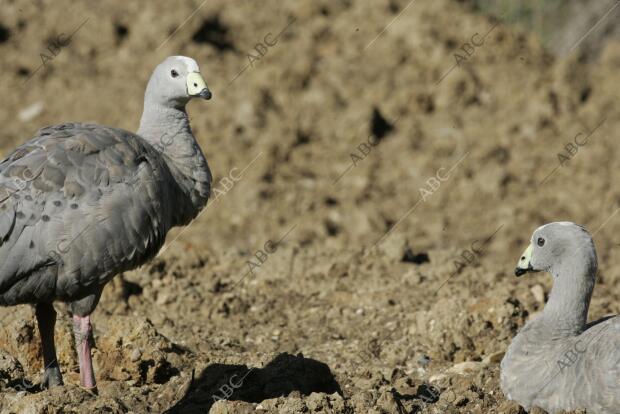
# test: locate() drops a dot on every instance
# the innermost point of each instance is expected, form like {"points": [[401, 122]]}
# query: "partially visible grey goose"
{"points": [[81, 203], [558, 361]]}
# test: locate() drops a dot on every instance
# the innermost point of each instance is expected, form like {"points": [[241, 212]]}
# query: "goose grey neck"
{"points": [[159, 124], [566, 312], [168, 130]]}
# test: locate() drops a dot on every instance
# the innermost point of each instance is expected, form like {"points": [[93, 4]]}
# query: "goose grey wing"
{"points": [[79, 203], [606, 359], [598, 377]]}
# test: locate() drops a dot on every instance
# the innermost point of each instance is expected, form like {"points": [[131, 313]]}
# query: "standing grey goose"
{"points": [[81, 203], [558, 361]]}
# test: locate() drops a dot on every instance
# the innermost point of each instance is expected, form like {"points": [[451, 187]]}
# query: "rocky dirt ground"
{"points": [[374, 189]]}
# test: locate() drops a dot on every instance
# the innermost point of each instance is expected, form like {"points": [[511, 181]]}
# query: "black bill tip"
{"points": [[205, 94], [520, 271]]}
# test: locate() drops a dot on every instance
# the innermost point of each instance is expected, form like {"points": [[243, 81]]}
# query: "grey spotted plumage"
{"points": [[81, 203]]}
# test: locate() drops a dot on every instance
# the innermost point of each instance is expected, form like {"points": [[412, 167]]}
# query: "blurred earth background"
{"points": [[379, 167]]}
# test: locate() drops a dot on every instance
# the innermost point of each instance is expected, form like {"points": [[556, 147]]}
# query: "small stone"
{"points": [[494, 358], [539, 293], [135, 355], [162, 298], [465, 368], [314, 402]]}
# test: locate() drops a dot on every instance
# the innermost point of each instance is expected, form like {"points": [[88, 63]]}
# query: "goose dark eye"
{"points": [[174, 73], [540, 241]]}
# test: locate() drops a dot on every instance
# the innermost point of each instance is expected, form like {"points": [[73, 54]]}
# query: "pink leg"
{"points": [[83, 331]]}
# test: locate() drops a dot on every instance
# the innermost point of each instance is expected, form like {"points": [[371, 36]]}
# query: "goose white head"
{"points": [[554, 245], [175, 81]]}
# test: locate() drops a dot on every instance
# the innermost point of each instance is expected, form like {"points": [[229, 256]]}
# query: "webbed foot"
{"points": [[52, 377]]}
